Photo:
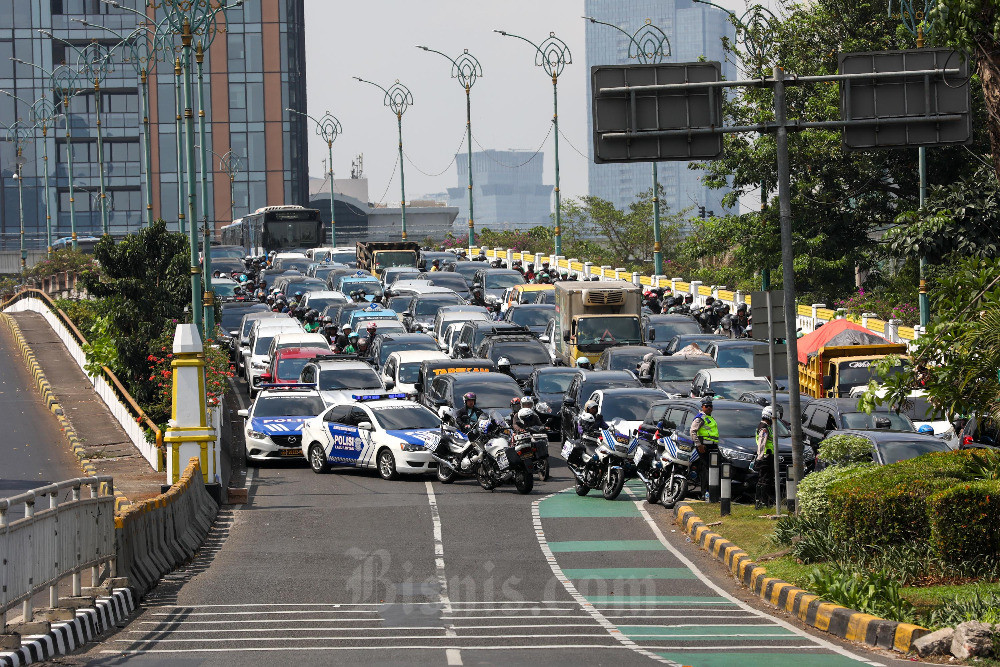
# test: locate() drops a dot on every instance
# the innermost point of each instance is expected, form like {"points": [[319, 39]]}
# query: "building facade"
{"points": [[694, 30], [253, 70], [507, 189]]}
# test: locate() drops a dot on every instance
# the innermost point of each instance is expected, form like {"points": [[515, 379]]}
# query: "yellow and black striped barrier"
{"points": [[810, 609], [45, 390]]}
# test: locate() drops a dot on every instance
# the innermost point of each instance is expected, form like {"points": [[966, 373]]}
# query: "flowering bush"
{"points": [[885, 308]]}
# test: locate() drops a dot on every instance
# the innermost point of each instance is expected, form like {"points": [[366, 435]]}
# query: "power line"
{"points": [[391, 176], [514, 166], [454, 157]]}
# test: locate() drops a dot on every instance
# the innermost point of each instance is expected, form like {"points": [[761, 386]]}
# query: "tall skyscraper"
{"points": [[507, 187], [694, 30], [253, 70]]}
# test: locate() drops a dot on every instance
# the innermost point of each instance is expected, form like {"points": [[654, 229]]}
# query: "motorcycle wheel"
{"points": [[582, 489], [676, 488], [543, 474], [485, 476], [613, 483], [445, 474], [523, 481], [654, 491]]}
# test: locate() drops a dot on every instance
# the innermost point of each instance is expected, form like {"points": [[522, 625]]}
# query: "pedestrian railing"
{"points": [[57, 533]]}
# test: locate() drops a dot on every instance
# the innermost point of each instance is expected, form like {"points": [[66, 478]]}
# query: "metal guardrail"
{"points": [[59, 540]]}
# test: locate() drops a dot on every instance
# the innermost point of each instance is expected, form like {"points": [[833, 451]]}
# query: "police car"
{"points": [[273, 428], [372, 431]]}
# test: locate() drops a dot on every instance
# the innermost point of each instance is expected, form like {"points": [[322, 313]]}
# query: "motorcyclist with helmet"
{"points": [[590, 408], [503, 366], [584, 363], [470, 414], [312, 324], [705, 435], [525, 417]]}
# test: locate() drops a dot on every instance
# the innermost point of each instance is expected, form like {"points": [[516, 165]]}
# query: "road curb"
{"points": [[45, 391], [810, 609], [89, 624]]}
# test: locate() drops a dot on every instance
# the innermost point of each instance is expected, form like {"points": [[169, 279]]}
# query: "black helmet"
{"points": [[706, 402], [327, 320]]}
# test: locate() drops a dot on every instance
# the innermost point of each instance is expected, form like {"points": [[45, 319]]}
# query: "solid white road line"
{"points": [[371, 629], [353, 605], [453, 656]]}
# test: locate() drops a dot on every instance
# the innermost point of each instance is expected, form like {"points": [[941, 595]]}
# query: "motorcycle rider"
{"points": [[584, 362], [468, 417], [764, 463], [742, 321], [590, 408], [352, 344], [646, 367], [521, 421], [312, 321], [503, 366], [705, 434]]}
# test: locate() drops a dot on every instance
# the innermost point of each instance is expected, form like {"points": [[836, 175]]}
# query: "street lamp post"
{"points": [[64, 84], [552, 55], [647, 46], [18, 133], [327, 127], [467, 70], [231, 164], [398, 98]]}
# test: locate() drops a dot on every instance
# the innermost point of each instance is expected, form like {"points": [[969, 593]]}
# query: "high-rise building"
{"points": [[694, 30], [507, 190], [254, 69]]}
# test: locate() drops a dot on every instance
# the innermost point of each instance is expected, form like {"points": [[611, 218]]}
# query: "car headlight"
{"points": [[736, 454], [258, 365], [257, 435], [407, 447]]}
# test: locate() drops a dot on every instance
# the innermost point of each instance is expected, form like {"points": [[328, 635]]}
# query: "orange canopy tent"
{"points": [[836, 333]]}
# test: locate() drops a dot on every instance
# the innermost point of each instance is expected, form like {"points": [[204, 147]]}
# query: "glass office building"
{"points": [[694, 30], [253, 71]]}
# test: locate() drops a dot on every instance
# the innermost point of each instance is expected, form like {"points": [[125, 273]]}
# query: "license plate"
{"points": [[567, 450], [502, 461], [290, 452]]}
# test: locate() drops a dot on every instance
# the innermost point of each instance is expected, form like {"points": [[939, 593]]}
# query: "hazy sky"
{"points": [[511, 103]]}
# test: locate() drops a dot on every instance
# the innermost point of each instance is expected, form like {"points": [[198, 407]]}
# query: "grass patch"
{"points": [[930, 597]]}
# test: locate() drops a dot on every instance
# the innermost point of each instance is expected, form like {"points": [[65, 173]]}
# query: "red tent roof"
{"points": [[837, 332]]}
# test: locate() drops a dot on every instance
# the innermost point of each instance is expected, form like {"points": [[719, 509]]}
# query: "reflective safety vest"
{"points": [[709, 430], [769, 443]]}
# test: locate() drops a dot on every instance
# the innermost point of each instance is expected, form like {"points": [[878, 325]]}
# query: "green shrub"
{"points": [[814, 490], [81, 313], [843, 449], [977, 607], [964, 526], [875, 593]]}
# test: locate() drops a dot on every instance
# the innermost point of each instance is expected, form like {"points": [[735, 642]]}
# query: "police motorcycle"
{"points": [[535, 439], [505, 463], [457, 454], [664, 466], [598, 459]]}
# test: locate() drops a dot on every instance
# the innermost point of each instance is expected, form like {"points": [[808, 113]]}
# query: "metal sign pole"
{"points": [[774, 407]]}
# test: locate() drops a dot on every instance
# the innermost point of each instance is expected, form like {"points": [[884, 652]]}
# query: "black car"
{"points": [[674, 374], [548, 385], [657, 330], [423, 308], [978, 432], [763, 398], [525, 354], [893, 446], [493, 391], [472, 334], [825, 415], [489, 285], [680, 341], [270, 276], [623, 358], [535, 316], [453, 281], [466, 269], [432, 369], [234, 267], [232, 315], [582, 386], [737, 433], [341, 312], [385, 344], [735, 353]]}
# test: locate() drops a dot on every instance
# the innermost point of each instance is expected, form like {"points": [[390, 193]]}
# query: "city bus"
{"points": [[84, 244], [280, 228]]}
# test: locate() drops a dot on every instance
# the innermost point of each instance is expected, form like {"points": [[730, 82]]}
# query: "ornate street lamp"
{"points": [[398, 99], [18, 133], [467, 70], [552, 55], [327, 127], [649, 45]]}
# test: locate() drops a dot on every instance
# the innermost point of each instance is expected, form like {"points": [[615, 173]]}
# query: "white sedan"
{"points": [[372, 431]]}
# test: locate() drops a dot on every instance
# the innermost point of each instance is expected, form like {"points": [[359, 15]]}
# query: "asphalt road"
{"points": [[33, 451], [348, 568]]}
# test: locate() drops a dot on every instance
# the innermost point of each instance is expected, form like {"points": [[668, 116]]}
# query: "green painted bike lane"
{"points": [[613, 559]]}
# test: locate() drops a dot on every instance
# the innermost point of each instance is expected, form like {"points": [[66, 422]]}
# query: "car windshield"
{"points": [[226, 253], [342, 257], [864, 421], [288, 406], [321, 272], [371, 287], [680, 371], [503, 280], [630, 407], [320, 303], [736, 356], [450, 280], [900, 450], [304, 286], [381, 326], [231, 317], [554, 383], [263, 343], [289, 369], [402, 275], [667, 330], [332, 379], [733, 389], [386, 258], [857, 373], [416, 343], [297, 264], [627, 360], [545, 296], [224, 290], [742, 422], [430, 305], [608, 330], [531, 317], [589, 387], [520, 352], [408, 373], [399, 303], [399, 417], [492, 395]]}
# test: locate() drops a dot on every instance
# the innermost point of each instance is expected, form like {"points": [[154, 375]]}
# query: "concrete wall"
{"points": [[10, 260]]}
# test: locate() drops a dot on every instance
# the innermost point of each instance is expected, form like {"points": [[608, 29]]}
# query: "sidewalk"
{"points": [[105, 444]]}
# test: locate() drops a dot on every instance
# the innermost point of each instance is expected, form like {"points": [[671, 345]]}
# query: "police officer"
{"points": [[470, 414], [705, 434], [764, 463]]}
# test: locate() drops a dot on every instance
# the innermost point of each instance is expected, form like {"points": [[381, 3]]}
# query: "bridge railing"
{"points": [[126, 411], [57, 537]]}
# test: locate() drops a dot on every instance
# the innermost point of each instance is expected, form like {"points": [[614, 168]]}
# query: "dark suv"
{"points": [[525, 353], [488, 284], [825, 415], [472, 335]]}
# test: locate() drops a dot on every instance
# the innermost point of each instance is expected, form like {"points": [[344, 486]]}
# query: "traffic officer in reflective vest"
{"points": [[705, 434]]}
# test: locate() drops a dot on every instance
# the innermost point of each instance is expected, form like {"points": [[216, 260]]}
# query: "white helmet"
{"points": [[767, 412], [587, 419], [524, 413], [583, 362], [503, 361], [590, 404], [446, 413], [543, 408], [528, 402]]}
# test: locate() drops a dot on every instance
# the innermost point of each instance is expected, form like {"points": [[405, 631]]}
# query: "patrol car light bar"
{"points": [[289, 385], [376, 397]]}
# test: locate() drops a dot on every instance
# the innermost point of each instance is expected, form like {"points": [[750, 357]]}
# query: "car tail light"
{"points": [[967, 440]]}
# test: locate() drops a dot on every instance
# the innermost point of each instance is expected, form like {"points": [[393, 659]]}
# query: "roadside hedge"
{"points": [[814, 490], [889, 505], [965, 521]]}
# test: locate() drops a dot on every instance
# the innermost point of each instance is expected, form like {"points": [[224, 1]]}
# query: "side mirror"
{"points": [[234, 333], [828, 382], [243, 413], [389, 384], [543, 338], [652, 334], [407, 313], [566, 336], [365, 426]]}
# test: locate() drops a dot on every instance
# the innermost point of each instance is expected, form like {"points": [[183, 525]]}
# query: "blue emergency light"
{"points": [[376, 397]]}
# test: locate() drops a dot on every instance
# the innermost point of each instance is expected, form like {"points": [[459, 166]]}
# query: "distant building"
{"points": [[507, 190], [694, 30]]}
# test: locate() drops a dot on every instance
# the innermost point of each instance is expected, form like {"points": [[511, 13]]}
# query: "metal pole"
{"points": [[69, 167], [206, 232], [765, 274], [147, 152], [555, 126], [20, 210], [100, 158], [788, 272], [468, 126], [333, 208], [402, 182], [657, 247], [48, 203], [181, 226], [925, 306], [196, 300], [774, 406]]}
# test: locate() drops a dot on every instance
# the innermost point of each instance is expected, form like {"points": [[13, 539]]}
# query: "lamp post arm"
{"points": [[430, 50], [510, 34], [372, 83]]}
